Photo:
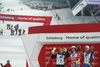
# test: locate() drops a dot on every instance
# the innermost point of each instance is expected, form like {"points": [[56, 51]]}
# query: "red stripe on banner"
{"points": [[40, 19], [95, 27]]}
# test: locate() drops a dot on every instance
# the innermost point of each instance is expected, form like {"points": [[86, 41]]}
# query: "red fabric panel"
{"points": [[74, 28]]}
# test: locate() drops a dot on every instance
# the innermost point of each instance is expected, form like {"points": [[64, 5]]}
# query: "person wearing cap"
{"points": [[8, 26], [16, 28], [1, 32], [87, 57], [60, 57], [74, 57]]}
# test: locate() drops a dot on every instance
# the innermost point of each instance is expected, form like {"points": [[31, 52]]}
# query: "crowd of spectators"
{"points": [[15, 30]]}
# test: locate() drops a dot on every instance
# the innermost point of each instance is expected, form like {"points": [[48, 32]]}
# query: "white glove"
{"points": [[79, 61], [92, 63], [65, 50], [53, 51]]}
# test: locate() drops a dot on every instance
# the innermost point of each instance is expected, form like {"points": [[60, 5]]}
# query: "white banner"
{"points": [[96, 2], [69, 37], [79, 7]]}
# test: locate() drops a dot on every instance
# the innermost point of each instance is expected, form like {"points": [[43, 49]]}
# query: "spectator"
{"points": [[8, 9], [7, 64], [11, 26], [19, 32], [21, 8], [1, 32], [3, 21], [8, 26], [16, 28], [23, 32], [56, 15], [12, 32], [58, 18]]}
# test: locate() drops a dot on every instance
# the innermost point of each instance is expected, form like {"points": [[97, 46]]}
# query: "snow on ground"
{"points": [[11, 47]]}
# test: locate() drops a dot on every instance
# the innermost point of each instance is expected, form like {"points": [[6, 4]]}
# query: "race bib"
{"points": [[86, 57], [60, 59]]}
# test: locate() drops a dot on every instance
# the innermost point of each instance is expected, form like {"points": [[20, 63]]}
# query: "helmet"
{"points": [[87, 46], [73, 47]]}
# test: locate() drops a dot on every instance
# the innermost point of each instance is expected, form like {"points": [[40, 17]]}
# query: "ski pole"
{"points": [[79, 56], [1, 64], [50, 57]]}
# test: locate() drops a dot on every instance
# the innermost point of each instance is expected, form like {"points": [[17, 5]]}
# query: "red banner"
{"points": [[73, 28], [45, 53], [22, 18]]}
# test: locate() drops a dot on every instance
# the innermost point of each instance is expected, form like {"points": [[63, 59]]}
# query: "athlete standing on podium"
{"points": [[88, 57], [74, 57], [60, 57]]}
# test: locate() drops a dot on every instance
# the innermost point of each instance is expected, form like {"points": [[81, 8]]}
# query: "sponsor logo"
{"points": [[38, 19], [54, 38], [6, 17], [48, 48]]}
